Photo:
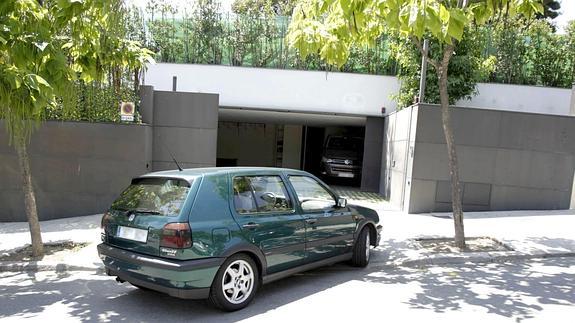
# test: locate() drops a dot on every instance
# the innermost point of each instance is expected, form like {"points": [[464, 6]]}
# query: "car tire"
{"points": [[361, 249], [241, 274]]}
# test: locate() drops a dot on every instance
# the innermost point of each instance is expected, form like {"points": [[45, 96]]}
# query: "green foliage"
{"points": [[532, 53], [208, 28], [543, 49], [92, 103], [466, 68], [510, 49], [254, 36], [267, 7], [331, 27], [254, 33], [45, 47], [163, 30]]}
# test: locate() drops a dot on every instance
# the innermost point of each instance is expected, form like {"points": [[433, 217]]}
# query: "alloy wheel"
{"points": [[238, 281]]}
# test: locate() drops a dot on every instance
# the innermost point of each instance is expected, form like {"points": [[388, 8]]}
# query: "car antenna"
{"points": [[173, 158]]}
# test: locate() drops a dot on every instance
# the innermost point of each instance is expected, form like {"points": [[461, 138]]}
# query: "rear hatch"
{"points": [[136, 219]]}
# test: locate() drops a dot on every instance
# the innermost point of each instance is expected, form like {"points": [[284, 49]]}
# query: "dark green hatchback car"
{"points": [[219, 233]]}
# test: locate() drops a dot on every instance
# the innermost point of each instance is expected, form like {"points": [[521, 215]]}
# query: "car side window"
{"points": [[261, 194], [311, 195], [244, 199]]}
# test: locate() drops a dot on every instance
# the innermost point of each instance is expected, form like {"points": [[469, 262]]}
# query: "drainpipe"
{"points": [[423, 73]]}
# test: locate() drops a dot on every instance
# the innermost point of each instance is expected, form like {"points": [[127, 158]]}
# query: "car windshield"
{"points": [[158, 196], [344, 143]]}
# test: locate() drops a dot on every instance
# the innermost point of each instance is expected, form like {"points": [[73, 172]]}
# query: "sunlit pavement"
{"points": [[535, 291]]}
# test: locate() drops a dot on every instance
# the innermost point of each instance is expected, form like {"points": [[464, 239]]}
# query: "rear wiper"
{"points": [[145, 211]]}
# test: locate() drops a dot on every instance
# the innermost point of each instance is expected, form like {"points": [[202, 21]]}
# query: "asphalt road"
{"points": [[534, 291]]}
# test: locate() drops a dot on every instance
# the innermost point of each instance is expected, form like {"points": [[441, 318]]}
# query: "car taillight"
{"points": [[176, 235]]}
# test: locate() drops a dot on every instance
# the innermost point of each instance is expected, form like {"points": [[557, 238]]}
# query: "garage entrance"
{"points": [[328, 146]]}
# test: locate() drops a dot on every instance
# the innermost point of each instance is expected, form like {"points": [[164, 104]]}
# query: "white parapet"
{"points": [[336, 93], [275, 89]]}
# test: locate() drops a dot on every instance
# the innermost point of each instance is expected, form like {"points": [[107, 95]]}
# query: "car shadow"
{"points": [[516, 290]]}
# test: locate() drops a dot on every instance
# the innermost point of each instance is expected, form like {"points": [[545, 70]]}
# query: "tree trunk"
{"points": [[452, 153], [29, 198]]}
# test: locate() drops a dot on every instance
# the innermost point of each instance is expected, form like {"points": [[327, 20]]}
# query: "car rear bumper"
{"points": [[190, 279]]}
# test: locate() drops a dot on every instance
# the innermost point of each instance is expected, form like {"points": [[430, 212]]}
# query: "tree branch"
{"points": [[425, 54]]}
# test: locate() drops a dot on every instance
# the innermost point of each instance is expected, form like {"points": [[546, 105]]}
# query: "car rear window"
{"points": [[158, 196]]}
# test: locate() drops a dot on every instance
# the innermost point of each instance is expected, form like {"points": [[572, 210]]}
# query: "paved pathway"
{"points": [[540, 290], [532, 234]]}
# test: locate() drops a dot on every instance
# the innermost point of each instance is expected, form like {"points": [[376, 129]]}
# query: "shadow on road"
{"points": [[514, 290]]}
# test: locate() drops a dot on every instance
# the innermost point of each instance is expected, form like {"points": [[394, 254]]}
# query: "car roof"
{"points": [[191, 173]]}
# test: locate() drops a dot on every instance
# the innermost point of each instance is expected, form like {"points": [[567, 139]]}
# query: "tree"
{"points": [[163, 30], [44, 47], [468, 67], [254, 35], [330, 27]]}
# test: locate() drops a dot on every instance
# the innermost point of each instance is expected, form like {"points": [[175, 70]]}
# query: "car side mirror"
{"points": [[341, 202]]}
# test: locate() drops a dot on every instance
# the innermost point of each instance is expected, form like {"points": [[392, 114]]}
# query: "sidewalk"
{"points": [[531, 234], [84, 229]]}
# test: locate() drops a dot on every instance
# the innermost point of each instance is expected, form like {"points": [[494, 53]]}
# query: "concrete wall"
{"points": [[185, 125], [520, 98], [507, 160], [342, 93], [372, 151], [394, 160], [296, 91], [78, 168]]}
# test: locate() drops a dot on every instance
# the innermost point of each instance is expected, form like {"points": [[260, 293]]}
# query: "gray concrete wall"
{"points": [[78, 168], [185, 125], [372, 150], [507, 160], [394, 158]]}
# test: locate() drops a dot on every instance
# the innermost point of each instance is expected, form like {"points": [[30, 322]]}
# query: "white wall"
{"points": [[252, 144], [280, 89], [292, 146], [522, 98], [327, 92]]}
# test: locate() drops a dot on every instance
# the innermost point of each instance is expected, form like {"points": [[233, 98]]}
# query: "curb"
{"points": [[32, 267], [482, 257]]}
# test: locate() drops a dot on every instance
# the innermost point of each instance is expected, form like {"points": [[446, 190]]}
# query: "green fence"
{"points": [[521, 53]]}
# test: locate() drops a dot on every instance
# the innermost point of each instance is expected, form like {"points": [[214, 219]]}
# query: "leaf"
{"points": [[67, 45], [36, 82], [443, 14], [457, 23], [432, 20]]}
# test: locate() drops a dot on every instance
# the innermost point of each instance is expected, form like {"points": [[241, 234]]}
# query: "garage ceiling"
{"points": [[250, 115]]}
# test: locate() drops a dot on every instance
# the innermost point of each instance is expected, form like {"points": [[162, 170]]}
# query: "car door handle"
{"points": [[310, 221], [250, 225]]}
